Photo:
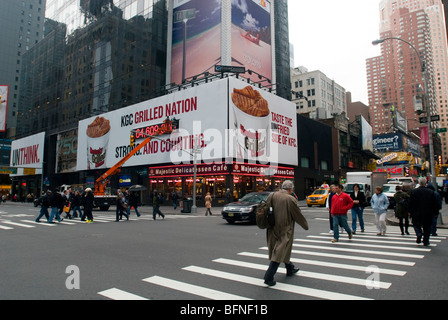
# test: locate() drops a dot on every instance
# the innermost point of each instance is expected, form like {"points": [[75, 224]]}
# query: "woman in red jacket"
{"points": [[340, 204]]}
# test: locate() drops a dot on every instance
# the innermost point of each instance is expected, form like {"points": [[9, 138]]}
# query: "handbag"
{"points": [[264, 216], [66, 209]]}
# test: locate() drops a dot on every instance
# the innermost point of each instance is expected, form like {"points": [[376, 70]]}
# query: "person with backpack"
{"points": [[402, 209]]}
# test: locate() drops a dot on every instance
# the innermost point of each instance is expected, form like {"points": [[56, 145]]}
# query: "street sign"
{"points": [[183, 15], [433, 118], [231, 69], [442, 130]]}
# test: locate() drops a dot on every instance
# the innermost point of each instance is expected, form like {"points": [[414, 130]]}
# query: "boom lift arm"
{"points": [[101, 182]]}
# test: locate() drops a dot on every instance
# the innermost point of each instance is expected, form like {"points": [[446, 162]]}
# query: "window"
{"points": [[305, 162]]}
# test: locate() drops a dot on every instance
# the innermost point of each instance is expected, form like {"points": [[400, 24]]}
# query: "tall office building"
{"points": [[395, 77], [22, 26]]}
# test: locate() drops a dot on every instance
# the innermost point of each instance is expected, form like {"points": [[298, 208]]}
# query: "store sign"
{"points": [[259, 170], [188, 170]]}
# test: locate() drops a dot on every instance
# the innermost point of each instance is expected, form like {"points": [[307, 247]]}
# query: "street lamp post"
{"points": [[428, 108]]}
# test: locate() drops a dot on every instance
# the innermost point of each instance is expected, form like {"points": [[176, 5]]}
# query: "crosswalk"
{"points": [[17, 222], [331, 271]]}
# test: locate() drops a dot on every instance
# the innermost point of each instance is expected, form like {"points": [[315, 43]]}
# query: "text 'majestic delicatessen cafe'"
{"points": [[246, 139]]}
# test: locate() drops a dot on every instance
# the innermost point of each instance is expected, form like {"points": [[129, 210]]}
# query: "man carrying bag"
{"points": [[280, 236]]}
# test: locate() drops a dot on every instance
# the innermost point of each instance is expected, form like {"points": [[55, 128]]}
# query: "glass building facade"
{"points": [[98, 56]]}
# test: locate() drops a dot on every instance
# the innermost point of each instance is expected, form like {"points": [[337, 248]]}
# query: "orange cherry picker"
{"points": [[166, 127]]}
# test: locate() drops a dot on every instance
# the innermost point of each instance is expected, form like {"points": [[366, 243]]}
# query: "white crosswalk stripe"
{"points": [[7, 224], [344, 264]]}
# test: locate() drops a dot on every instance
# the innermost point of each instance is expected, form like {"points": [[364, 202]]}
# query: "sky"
{"points": [[336, 37]]}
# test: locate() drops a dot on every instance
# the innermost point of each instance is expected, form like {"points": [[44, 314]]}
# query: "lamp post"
{"points": [[428, 108]]}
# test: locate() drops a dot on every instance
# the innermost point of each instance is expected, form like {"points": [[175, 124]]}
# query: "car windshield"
{"points": [[389, 189], [255, 197], [320, 192]]}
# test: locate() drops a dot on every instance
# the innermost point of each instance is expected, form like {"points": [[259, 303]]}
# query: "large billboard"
{"points": [[196, 43], [3, 106], [252, 36], [228, 119], [104, 140]]}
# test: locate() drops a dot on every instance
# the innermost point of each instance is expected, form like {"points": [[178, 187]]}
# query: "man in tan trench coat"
{"points": [[280, 237]]}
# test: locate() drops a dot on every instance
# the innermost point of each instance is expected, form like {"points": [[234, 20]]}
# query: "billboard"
{"points": [[28, 153], [196, 42], [202, 110], [262, 126], [228, 119], [367, 135], [252, 36], [4, 90]]}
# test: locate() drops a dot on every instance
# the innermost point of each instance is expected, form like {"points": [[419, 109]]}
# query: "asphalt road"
{"points": [[198, 258]]}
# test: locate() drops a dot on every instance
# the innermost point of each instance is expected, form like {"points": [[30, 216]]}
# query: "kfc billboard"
{"points": [[228, 119]]}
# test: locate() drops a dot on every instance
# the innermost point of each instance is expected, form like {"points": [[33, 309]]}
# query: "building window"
{"points": [[305, 162]]}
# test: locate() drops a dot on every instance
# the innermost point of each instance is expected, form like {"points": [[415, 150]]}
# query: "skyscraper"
{"points": [[22, 25], [395, 77]]}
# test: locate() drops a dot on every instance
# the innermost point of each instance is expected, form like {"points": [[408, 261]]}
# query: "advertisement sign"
{"points": [[251, 36], [28, 153], [263, 126], [367, 135], [4, 90], [424, 135], [388, 142], [196, 44], [202, 111], [225, 120], [66, 151]]}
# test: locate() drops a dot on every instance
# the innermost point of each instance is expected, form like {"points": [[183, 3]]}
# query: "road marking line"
{"points": [[354, 244], [359, 239], [376, 252], [328, 264], [279, 286], [5, 227], [39, 223], [193, 289], [402, 238], [117, 294], [307, 274], [18, 224]]}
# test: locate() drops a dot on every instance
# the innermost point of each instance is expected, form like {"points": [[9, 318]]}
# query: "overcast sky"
{"points": [[336, 37]]}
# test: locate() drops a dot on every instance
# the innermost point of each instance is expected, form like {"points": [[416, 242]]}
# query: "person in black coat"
{"points": [[87, 201], [423, 207], [359, 202], [56, 203]]}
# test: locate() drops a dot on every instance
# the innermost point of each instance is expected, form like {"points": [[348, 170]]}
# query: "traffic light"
{"points": [[132, 140]]}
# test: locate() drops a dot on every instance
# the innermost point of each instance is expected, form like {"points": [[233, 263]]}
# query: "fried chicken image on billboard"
{"points": [[250, 101]]}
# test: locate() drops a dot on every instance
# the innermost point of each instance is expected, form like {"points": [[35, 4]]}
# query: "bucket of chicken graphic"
{"points": [[98, 133], [251, 113]]}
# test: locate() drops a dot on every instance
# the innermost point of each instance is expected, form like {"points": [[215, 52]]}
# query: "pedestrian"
{"points": [[122, 206], [87, 201], [445, 192], [402, 209], [280, 237], [56, 204], [133, 203], [228, 196], [359, 202], [76, 204], [340, 204], [439, 207], [44, 205], [66, 204], [423, 207], [331, 193], [156, 206], [208, 204], [380, 203], [174, 198]]}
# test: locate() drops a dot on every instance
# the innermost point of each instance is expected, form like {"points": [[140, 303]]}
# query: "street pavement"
{"points": [[192, 257]]}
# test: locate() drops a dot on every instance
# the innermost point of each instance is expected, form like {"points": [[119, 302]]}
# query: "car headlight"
{"points": [[247, 210]]}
